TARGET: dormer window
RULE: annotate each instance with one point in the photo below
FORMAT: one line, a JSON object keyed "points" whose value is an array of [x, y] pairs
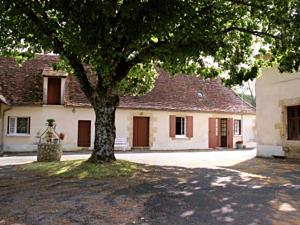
{"points": [[54, 91], [54, 86]]}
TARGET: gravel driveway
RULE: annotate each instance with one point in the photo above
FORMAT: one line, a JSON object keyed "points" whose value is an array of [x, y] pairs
{"points": [[255, 192]]}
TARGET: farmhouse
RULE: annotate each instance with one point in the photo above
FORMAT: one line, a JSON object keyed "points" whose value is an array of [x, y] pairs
{"points": [[181, 112], [278, 114]]}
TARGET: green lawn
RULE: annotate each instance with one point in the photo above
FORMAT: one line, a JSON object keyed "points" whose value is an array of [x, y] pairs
{"points": [[81, 169]]}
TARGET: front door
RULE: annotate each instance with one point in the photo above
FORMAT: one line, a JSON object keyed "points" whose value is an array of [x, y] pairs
{"points": [[140, 131], [84, 133], [223, 132]]}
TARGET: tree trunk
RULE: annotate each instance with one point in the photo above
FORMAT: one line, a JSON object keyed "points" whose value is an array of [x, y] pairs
{"points": [[105, 130]]}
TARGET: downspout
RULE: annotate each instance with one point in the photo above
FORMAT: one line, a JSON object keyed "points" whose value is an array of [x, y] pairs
{"points": [[242, 117], [3, 129]]}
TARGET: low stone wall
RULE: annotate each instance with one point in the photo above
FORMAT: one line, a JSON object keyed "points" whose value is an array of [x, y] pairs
{"points": [[49, 152]]}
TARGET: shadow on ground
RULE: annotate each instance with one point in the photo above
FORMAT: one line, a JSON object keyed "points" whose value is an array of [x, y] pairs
{"points": [[254, 192]]}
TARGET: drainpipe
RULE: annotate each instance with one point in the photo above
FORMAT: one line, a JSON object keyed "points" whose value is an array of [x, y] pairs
{"points": [[3, 129], [242, 117]]}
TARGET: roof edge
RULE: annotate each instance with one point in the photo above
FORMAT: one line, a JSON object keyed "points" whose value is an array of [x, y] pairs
{"points": [[3, 100]]}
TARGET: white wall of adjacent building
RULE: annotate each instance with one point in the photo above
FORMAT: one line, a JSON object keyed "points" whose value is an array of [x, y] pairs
{"points": [[67, 122], [275, 92]]}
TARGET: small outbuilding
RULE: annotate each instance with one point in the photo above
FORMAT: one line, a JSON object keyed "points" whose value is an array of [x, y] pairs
{"points": [[278, 114]]}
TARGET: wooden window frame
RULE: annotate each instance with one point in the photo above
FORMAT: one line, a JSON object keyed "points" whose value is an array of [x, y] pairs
{"points": [[293, 121]]}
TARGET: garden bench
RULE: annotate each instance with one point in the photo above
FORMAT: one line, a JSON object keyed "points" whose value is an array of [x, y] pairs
{"points": [[121, 143]]}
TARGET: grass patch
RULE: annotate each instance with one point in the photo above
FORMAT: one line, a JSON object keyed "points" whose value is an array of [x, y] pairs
{"points": [[81, 169]]}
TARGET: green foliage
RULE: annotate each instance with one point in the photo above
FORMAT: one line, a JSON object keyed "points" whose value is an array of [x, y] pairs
{"points": [[81, 169], [287, 49], [139, 80], [124, 40], [248, 98]]}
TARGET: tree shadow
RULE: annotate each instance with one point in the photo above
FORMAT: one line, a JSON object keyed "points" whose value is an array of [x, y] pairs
{"points": [[161, 195], [216, 196]]}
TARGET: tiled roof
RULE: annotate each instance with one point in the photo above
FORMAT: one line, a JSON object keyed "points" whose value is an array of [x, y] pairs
{"points": [[184, 92], [24, 86]]}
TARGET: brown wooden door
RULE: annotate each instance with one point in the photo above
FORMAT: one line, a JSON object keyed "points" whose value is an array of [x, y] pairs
{"points": [[140, 131], [223, 127], [213, 132], [54, 90], [84, 133]]}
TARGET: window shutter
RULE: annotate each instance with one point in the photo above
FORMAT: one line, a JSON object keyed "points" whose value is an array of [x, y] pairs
{"points": [[213, 132], [54, 91], [189, 126], [12, 125], [28, 125], [172, 126], [230, 133]]}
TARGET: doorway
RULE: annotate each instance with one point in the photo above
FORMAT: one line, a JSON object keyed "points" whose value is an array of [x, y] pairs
{"points": [[140, 131], [84, 133]]}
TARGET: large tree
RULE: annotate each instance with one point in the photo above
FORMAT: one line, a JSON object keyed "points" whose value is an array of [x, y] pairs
{"points": [[124, 40]]}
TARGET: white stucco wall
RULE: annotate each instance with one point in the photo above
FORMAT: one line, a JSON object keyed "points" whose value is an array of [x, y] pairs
{"points": [[159, 129], [275, 91], [3, 108], [67, 122]]}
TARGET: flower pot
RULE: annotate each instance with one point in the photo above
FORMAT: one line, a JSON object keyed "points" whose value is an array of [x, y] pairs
{"points": [[239, 145]]}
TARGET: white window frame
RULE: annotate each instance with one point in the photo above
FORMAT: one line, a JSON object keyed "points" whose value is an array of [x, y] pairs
{"points": [[183, 120], [14, 133], [239, 133]]}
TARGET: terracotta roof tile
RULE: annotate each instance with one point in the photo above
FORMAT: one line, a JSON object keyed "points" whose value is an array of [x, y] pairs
{"points": [[184, 92], [24, 86]]}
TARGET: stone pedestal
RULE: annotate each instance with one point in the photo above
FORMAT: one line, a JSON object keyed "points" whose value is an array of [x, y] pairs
{"points": [[49, 152]]}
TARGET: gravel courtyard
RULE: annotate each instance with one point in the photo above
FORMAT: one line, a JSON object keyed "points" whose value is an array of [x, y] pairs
{"points": [[254, 192]]}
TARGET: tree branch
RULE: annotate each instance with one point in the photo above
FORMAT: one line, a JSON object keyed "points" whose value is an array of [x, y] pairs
{"points": [[59, 47], [253, 32]]}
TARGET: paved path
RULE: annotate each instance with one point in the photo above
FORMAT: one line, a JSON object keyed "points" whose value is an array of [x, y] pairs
{"points": [[182, 159]]}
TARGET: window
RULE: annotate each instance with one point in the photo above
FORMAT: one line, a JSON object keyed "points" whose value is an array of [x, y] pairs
{"points": [[54, 91], [237, 127], [18, 125], [293, 116], [180, 126]]}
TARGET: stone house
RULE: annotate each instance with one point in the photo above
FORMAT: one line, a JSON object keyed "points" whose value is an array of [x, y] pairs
{"points": [[278, 114], [181, 112]]}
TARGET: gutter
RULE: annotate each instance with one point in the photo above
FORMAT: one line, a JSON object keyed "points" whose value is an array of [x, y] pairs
{"points": [[3, 129]]}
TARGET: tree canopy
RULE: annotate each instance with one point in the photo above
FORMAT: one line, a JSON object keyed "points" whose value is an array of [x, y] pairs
{"points": [[124, 41], [115, 36]]}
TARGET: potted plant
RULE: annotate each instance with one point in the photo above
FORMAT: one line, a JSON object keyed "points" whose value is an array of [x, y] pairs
{"points": [[50, 122], [61, 136], [239, 144]]}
